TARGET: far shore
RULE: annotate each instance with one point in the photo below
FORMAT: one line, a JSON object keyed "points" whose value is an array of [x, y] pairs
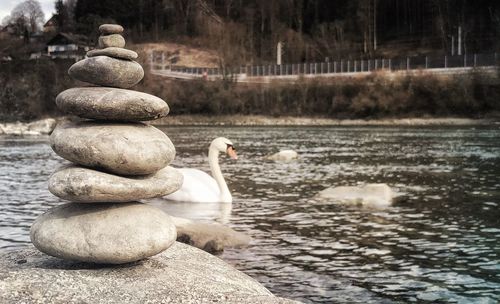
{"points": [[261, 120], [45, 126]]}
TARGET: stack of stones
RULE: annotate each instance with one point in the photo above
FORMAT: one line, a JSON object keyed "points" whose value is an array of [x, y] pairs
{"points": [[117, 160]]}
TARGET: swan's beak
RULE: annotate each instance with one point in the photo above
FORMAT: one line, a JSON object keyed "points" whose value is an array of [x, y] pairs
{"points": [[231, 152]]}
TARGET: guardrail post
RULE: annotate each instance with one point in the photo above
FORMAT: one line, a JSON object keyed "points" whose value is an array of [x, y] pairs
{"points": [[445, 61], [426, 62], [362, 65], [390, 64], [407, 63], [335, 66]]}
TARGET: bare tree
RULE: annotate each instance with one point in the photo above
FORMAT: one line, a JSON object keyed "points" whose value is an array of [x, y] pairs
{"points": [[31, 14]]}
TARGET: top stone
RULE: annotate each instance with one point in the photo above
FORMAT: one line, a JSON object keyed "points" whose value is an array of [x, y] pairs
{"points": [[107, 29]]}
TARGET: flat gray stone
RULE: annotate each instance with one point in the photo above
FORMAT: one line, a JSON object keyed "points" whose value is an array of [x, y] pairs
{"points": [[113, 40], [85, 185], [103, 233], [120, 148], [113, 52], [111, 104], [107, 29], [181, 274], [107, 71]]}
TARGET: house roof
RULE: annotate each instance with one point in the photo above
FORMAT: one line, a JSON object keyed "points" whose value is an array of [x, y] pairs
{"points": [[8, 28], [68, 38], [51, 22]]}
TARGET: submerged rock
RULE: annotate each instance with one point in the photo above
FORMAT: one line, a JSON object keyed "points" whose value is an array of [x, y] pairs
{"points": [[111, 104], [182, 274], [211, 237], [121, 148], [85, 185], [103, 233], [107, 71], [371, 195]]}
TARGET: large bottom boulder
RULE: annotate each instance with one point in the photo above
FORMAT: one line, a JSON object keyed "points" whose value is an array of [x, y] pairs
{"points": [[181, 274]]}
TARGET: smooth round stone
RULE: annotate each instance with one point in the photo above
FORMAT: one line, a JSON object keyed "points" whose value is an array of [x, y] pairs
{"points": [[111, 104], [107, 71], [121, 148], [103, 233], [107, 29], [113, 52], [113, 40], [79, 184]]}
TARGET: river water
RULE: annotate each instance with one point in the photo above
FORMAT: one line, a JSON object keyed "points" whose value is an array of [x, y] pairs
{"points": [[440, 242]]}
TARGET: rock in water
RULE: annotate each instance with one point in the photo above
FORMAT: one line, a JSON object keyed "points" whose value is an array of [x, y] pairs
{"points": [[283, 155], [111, 104], [107, 29], [103, 233], [370, 195], [113, 40], [107, 71], [121, 148], [114, 52], [85, 185]]}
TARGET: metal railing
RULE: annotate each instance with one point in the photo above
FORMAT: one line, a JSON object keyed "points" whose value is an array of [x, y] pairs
{"points": [[441, 63]]}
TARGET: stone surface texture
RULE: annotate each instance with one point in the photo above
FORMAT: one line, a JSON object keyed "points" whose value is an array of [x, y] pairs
{"points": [[107, 71], [182, 274], [107, 29], [113, 40], [111, 104], [103, 233], [79, 184], [121, 148], [113, 52]]}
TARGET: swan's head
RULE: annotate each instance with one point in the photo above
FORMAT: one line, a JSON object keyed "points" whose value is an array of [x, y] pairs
{"points": [[224, 145]]}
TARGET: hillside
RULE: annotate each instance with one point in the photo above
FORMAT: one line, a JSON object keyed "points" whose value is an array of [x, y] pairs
{"points": [[184, 54]]}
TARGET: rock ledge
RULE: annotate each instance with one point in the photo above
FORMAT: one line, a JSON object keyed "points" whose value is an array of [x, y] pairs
{"points": [[182, 274]]}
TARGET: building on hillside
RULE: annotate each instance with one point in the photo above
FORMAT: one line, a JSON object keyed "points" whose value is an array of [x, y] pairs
{"points": [[65, 45], [7, 31], [51, 25]]}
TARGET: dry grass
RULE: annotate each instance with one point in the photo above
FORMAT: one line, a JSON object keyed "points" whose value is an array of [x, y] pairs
{"points": [[188, 56]]}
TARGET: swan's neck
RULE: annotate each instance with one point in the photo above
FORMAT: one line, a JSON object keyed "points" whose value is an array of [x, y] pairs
{"points": [[213, 160]]}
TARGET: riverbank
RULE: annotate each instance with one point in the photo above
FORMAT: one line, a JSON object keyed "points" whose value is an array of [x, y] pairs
{"points": [[261, 120], [45, 126], [25, 96]]}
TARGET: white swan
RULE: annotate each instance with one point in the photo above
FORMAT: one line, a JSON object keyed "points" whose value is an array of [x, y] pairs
{"points": [[198, 186]]}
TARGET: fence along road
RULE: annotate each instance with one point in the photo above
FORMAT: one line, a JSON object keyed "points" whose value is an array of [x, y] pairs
{"points": [[344, 68]]}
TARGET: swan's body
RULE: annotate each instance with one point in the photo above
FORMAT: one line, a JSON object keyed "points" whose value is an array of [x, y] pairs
{"points": [[283, 155], [198, 186]]}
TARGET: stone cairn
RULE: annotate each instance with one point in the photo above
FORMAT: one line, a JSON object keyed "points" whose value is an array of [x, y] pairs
{"points": [[117, 160]]}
